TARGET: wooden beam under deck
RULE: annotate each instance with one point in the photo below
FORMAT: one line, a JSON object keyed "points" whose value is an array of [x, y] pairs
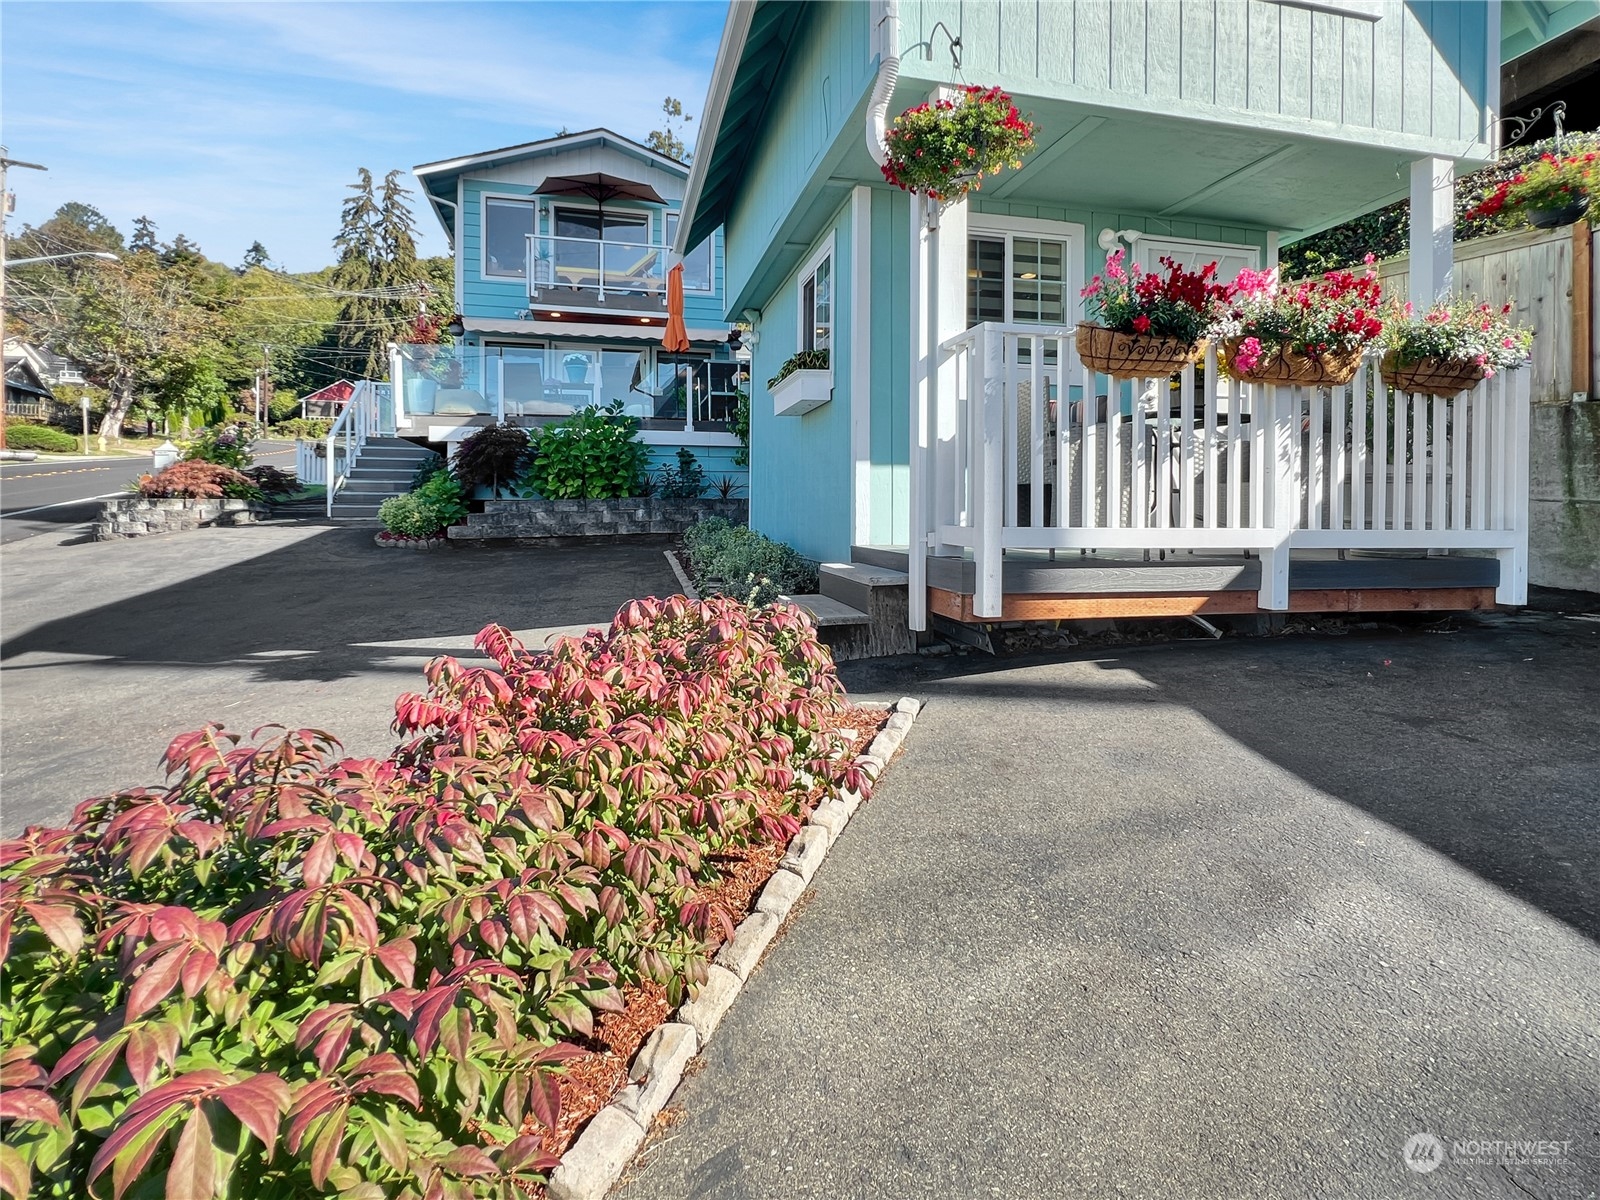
{"points": [[1078, 607]]}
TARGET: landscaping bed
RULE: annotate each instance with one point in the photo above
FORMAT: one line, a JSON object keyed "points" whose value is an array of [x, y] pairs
{"points": [[413, 975], [631, 516]]}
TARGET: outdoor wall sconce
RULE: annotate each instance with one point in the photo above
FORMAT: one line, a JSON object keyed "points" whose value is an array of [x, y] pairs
{"points": [[456, 328], [1110, 237]]}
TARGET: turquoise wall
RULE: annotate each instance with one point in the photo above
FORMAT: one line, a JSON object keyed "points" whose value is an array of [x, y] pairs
{"points": [[505, 298], [890, 490], [800, 488], [1381, 73]]}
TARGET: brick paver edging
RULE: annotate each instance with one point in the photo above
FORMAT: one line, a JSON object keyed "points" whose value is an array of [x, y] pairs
{"points": [[598, 1158]]}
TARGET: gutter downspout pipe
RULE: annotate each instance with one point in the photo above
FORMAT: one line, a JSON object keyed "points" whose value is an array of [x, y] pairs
{"points": [[888, 76]]}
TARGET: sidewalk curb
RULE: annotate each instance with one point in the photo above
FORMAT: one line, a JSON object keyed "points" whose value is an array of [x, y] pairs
{"points": [[593, 1164]]}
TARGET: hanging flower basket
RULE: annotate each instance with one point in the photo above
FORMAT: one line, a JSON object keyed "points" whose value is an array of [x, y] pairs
{"points": [[945, 148], [1432, 376], [1553, 217], [1284, 366], [1134, 355]]}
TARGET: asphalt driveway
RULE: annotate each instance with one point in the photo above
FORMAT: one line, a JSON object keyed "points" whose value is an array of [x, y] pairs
{"points": [[1212, 919], [111, 648]]}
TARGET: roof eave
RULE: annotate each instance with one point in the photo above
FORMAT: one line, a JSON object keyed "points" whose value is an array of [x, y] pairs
{"points": [[449, 166], [729, 53]]}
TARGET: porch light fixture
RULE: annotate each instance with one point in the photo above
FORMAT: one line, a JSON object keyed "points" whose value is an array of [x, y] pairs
{"points": [[1110, 237], [456, 328], [553, 313]]}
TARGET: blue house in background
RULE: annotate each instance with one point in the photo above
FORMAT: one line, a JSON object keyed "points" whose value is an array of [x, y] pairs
{"points": [[562, 249]]}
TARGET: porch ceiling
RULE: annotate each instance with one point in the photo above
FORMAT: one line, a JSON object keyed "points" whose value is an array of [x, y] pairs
{"points": [[1133, 163]]}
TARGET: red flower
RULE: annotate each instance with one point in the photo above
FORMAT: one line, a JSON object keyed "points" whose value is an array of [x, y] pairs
{"points": [[1141, 324]]}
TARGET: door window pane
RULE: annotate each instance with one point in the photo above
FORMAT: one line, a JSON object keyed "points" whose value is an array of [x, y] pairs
{"points": [[986, 283], [1038, 275], [507, 224]]}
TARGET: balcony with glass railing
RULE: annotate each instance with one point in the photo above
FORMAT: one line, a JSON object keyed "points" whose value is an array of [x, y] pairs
{"points": [[446, 386]]}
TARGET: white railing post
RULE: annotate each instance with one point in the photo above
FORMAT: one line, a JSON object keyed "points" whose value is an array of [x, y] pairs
{"points": [[1278, 498], [988, 594], [1512, 392]]}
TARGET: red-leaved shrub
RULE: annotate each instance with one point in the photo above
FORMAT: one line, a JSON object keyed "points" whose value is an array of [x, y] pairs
{"points": [[289, 974], [193, 479]]}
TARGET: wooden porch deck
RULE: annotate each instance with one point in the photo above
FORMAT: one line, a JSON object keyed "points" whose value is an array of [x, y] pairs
{"points": [[1076, 586]]}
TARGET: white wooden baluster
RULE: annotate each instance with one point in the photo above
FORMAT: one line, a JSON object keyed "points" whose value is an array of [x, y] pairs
{"points": [[1064, 348], [1317, 473], [1186, 457], [1339, 462], [1113, 474], [1164, 469], [1036, 410], [1208, 495], [1139, 471], [1478, 501], [1361, 461], [1260, 464], [1088, 456], [1458, 459], [1236, 431], [1419, 462], [1439, 460], [987, 589], [1009, 343], [1398, 398]]}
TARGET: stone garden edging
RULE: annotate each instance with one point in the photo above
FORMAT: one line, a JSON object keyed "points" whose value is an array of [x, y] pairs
{"points": [[138, 516], [594, 1163], [403, 543], [636, 516]]}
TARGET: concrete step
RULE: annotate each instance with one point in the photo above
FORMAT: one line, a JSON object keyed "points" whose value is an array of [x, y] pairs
{"points": [[400, 474], [892, 557], [828, 612], [854, 583]]}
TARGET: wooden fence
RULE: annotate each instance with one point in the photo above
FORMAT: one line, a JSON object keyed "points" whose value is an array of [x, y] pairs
{"points": [[1548, 275]]}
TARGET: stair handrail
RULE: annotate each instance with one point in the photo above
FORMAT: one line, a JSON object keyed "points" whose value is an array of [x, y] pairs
{"points": [[353, 425]]}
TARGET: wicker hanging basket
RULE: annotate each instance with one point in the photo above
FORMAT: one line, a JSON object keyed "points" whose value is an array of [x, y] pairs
{"points": [[1134, 355], [1431, 376], [1288, 367]]}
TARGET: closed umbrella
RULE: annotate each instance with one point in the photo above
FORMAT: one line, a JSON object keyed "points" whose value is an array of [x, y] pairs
{"points": [[675, 338]]}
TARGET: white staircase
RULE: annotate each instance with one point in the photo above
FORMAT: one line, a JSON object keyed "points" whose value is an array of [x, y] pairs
{"points": [[384, 467]]}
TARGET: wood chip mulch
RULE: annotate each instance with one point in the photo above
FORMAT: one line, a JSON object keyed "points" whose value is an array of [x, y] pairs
{"points": [[591, 1080]]}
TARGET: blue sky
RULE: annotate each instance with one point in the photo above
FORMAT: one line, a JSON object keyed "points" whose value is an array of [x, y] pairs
{"points": [[232, 122]]}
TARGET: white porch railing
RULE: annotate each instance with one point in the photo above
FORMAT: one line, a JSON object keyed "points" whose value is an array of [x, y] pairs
{"points": [[310, 468], [1147, 464], [368, 412]]}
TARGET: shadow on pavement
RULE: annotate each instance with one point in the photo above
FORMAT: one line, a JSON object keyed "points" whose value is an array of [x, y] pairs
{"points": [[332, 605], [1478, 743]]}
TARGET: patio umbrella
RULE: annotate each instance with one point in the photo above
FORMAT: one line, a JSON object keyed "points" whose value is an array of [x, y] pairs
{"points": [[599, 187], [675, 339]]}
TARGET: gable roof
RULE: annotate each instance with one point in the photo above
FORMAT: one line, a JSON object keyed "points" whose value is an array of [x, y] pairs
{"points": [[554, 145], [755, 40]]}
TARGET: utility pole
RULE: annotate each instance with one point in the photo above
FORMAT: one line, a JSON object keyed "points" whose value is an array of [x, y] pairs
{"points": [[6, 162]]}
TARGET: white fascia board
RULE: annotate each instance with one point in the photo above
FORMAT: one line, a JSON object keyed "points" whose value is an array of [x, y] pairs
{"points": [[729, 53]]}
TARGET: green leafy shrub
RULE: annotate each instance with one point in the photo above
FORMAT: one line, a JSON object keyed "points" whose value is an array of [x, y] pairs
{"points": [[287, 973], [225, 445], [594, 454], [40, 437], [740, 428], [194, 479], [434, 506], [426, 470], [803, 360], [686, 481], [493, 457], [734, 560], [305, 429]]}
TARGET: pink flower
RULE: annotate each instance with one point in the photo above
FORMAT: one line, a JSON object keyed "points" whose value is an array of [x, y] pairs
{"points": [[1114, 265], [1249, 355]]}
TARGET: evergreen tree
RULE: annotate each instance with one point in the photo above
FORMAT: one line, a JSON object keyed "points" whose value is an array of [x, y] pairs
{"points": [[144, 236], [180, 251], [377, 270], [256, 256]]}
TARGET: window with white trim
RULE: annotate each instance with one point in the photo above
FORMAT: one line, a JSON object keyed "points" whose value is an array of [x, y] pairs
{"points": [[816, 303], [506, 226]]}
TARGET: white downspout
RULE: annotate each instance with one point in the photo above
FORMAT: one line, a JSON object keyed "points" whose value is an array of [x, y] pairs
{"points": [[888, 76]]}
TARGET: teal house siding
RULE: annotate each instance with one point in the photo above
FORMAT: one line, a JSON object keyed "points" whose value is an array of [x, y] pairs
{"points": [[1392, 71], [800, 486], [889, 470]]}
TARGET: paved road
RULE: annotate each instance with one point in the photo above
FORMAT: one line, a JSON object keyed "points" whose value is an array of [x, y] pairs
{"points": [[1216, 919], [111, 648], [56, 496]]}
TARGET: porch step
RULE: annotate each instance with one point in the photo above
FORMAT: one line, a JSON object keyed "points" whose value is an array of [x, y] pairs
{"points": [[828, 612], [853, 583], [893, 558]]}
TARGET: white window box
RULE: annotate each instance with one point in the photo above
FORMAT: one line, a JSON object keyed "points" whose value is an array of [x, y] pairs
{"points": [[801, 391]]}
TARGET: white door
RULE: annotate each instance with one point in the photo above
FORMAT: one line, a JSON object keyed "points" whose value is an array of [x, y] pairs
{"points": [[1230, 257]]}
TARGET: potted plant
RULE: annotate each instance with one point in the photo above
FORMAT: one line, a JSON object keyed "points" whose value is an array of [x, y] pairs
{"points": [[1453, 346], [943, 149], [1312, 331], [1149, 323], [803, 382], [1555, 191]]}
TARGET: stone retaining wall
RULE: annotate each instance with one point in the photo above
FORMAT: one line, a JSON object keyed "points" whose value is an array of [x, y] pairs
{"points": [[540, 520], [136, 516]]}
